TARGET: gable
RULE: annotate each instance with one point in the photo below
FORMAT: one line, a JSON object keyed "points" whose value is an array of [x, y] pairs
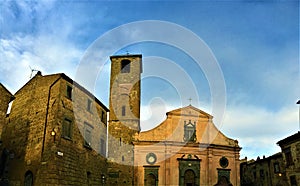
{"points": [[176, 126], [190, 111]]}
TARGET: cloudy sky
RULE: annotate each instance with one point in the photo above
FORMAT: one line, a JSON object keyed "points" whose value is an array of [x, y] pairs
{"points": [[255, 45]]}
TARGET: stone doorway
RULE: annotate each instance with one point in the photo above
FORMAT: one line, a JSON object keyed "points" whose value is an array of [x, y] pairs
{"points": [[150, 180], [151, 175], [189, 178], [189, 170]]}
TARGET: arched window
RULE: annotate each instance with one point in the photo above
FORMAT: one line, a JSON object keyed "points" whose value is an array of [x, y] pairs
{"points": [[189, 178], [123, 110], [125, 66], [88, 176], [28, 181]]}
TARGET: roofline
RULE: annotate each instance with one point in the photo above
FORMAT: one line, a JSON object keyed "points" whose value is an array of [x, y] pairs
{"points": [[252, 161], [289, 139], [126, 55], [6, 89], [67, 78], [38, 74], [191, 106]]}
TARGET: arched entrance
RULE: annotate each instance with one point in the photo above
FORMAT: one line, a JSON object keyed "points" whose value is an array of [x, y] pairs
{"points": [[189, 178], [189, 171], [28, 181], [150, 180], [223, 181]]}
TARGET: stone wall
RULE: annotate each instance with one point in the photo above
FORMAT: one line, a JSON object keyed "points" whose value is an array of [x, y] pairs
{"points": [[34, 138], [290, 147], [264, 172], [5, 98]]}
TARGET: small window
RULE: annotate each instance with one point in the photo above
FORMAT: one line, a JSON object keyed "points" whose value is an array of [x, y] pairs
{"points": [[9, 108], [67, 128], [293, 180], [288, 156], [123, 110], [261, 173], [89, 176], [125, 66], [103, 116], [28, 181], [276, 168], [89, 105], [87, 135], [123, 159], [69, 92], [254, 175], [102, 147]]}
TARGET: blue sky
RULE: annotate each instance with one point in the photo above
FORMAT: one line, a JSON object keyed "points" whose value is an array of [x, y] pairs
{"points": [[256, 45]]}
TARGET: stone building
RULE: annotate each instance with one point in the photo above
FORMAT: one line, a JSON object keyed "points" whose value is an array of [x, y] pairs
{"points": [[5, 98], [42, 138], [280, 169], [186, 149], [56, 134], [266, 171], [290, 148]]}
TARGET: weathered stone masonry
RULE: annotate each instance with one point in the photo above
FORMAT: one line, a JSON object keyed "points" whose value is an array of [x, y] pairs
{"points": [[33, 134]]}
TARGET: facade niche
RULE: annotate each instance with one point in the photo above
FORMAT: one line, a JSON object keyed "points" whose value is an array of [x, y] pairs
{"points": [[189, 132]]}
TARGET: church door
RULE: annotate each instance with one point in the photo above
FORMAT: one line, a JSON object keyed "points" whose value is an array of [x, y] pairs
{"points": [[150, 180], [189, 178]]}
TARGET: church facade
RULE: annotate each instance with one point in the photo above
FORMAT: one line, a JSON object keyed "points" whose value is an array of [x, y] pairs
{"points": [[186, 149]]}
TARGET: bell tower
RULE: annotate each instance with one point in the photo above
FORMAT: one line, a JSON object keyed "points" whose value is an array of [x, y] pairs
{"points": [[124, 116]]}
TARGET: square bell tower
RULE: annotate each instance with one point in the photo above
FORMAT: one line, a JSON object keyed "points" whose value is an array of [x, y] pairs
{"points": [[124, 117]]}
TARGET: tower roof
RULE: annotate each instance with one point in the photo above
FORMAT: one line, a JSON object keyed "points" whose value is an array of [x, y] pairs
{"points": [[126, 55]]}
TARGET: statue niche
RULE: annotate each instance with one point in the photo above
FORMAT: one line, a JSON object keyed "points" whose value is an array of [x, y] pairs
{"points": [[189, 132]]}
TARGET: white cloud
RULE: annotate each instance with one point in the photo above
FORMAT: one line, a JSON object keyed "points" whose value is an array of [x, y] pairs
{"points": [[45, 53], [154, 112], [258, 129]]}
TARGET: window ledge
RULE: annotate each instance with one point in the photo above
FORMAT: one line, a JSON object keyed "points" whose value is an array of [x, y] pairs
{"points": [[68, 98], [87, 146], [67, 138]]}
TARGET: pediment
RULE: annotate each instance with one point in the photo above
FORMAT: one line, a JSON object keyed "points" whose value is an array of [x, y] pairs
{"points": [[179, 128], [189, 111]]}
